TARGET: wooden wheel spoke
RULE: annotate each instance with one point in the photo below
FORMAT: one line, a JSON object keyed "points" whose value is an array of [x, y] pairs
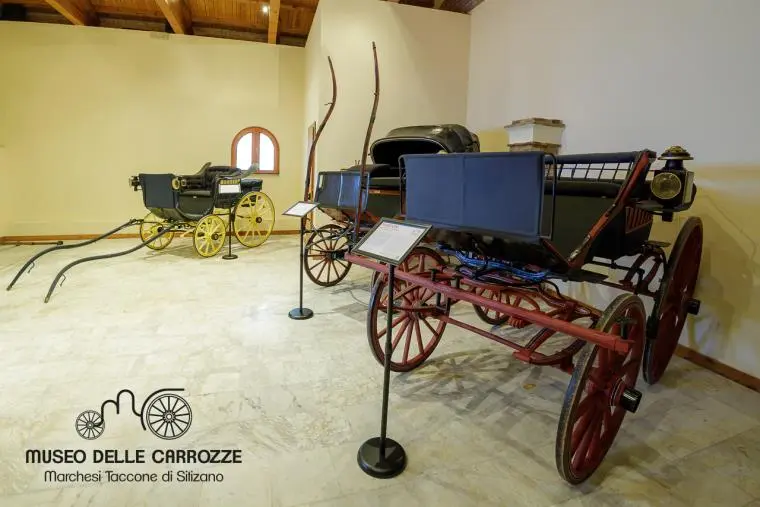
{"points": [[394, 323], [424, 320], [408, 342], [419, 336], [399, 334], [319, 275], [581, 452]]}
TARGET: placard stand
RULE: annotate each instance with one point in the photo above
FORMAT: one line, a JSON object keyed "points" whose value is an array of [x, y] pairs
{"points": [[389, 241], [229, 255], [301, 209]]}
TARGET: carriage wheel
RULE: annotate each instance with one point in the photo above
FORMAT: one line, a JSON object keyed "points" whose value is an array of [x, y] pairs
{"points": [[674, 300], [89, 425], [209, 235], [152, 225], [323, 259], [416, 325], [254, 219], [168, 416], [601, 391], [497, 318]]}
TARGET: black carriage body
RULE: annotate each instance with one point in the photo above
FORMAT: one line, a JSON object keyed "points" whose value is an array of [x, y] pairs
{"points": [[190, 197], [511, 206], [338, 191]]}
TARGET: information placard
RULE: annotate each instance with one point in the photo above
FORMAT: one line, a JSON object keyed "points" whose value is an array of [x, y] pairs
{"points": [[300, 209], [229, 188], [391, 240]]}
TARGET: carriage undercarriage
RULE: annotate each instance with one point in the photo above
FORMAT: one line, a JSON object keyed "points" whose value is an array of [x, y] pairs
{"points": [[603, 350]]}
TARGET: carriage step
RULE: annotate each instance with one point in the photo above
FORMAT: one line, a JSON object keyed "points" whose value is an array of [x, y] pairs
{"points": [[661, 244]]}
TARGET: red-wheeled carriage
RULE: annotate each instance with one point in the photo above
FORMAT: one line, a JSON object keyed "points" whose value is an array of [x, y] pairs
{"points": [[506, 227]]}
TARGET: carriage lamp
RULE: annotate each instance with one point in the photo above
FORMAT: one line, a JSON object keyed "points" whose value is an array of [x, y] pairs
{"points": [[672, 185], [134, 182]]}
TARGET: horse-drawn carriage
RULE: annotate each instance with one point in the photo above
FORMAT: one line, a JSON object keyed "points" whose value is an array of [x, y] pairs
{"points": [[382, 195], [199, 204], [506, 228]]}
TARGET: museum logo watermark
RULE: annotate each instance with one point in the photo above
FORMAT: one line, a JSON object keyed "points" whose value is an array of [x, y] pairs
{"points": [[166, 415]]}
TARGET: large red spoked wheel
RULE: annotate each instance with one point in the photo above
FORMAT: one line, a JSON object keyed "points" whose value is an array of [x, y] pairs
{"points": [[416, 327], [674, 300], [323, 259], [495, 318], [601, 391]]}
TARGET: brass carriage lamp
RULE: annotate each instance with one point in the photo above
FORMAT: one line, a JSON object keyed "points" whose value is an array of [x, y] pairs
{"points": [[673, 185]]}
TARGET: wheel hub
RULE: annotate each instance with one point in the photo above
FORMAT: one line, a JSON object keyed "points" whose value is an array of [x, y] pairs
{"points": [[693, 306], [259, 220], [169, 417]]}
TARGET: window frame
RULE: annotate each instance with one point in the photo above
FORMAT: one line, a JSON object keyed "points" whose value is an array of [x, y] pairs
{"points": [[255, 146]]}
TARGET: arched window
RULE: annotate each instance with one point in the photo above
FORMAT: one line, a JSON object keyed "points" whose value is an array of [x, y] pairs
{"points": [[256, 145]]}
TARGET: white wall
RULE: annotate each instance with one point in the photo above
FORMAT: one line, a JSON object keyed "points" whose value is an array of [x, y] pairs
{"points": [[84, 108], [647, 74], [422, 57]]}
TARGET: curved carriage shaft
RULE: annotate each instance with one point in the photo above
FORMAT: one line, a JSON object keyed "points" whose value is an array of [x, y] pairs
{"points": [[444, 288], [102, 256], [30, 263]]}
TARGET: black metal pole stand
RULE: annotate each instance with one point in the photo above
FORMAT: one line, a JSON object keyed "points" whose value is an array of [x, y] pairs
{"points": [[382, 457], [229, 255], [301, 313]]}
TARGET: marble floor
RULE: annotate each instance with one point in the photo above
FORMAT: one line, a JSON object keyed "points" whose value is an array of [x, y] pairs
{"points": [[297, 398]]}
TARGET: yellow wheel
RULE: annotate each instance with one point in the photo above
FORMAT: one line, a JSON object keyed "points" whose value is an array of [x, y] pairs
{"points": [[209, 235], [151, 226], [254, 219]]}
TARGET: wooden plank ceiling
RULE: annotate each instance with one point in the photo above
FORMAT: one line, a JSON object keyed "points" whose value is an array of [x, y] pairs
{"points": [[274, 21]]}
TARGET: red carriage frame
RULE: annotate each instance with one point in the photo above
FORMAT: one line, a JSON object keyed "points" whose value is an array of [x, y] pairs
{"points": [[603, 359]]}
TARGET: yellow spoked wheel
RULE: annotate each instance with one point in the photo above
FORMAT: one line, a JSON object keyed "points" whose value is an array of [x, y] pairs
{"points": [[209, 235], [151, 226], [254, 219]]}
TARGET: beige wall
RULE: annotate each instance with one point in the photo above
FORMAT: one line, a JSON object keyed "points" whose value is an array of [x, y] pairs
{"points": [[5, 192], [84, 108], [422, 57], [648, 74]]}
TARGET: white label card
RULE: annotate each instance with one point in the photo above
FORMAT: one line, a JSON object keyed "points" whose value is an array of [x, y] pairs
{"points": [[300, 209], [229, 189], [391, 241]]}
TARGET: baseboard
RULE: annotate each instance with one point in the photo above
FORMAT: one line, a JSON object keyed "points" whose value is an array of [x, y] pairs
{"points": [[721, 369], [77, 237]]}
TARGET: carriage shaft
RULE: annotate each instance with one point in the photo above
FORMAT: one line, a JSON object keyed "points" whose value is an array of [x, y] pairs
{"points": [[525, 354], [606, 340]]}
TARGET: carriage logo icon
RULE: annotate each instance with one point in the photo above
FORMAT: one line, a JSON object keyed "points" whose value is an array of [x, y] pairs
{"points": [[165, 414]]}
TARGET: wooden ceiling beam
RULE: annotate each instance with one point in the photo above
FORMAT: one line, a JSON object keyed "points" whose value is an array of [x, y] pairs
{"points": [[79, 12], [177, 13], [274, 20]]}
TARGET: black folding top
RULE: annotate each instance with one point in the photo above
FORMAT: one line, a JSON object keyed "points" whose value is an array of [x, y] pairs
{"points": [[448, 138]]}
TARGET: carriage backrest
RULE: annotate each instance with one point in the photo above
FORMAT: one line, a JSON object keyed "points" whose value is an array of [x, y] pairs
{"points": [[495, 194], [339, 190], [157, 190]]}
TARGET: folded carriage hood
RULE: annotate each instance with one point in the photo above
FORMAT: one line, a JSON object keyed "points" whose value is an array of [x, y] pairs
{"points": [[422, 139]]}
